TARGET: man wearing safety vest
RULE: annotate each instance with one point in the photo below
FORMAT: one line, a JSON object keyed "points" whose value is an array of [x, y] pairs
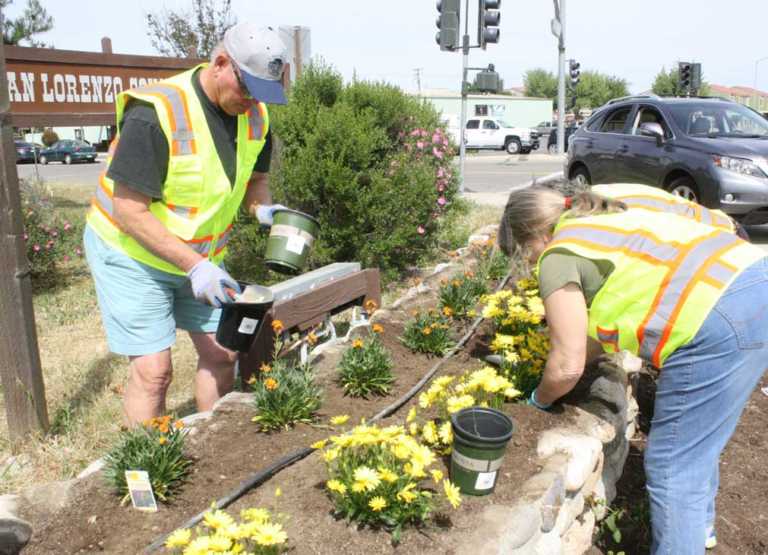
{"points": [[688, 297], [190, 152]]}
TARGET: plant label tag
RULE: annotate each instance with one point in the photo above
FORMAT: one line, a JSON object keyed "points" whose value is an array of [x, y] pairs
{"points": [[140, 489], [248, 326], [295, 244], [485, 480]]}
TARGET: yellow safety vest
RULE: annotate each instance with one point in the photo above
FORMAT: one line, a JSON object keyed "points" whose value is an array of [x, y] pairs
{"points": [[658, 200], [199, 203], [668, 274]]}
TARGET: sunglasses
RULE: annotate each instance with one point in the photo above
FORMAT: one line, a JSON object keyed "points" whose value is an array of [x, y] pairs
{"points": [[243, 89]]}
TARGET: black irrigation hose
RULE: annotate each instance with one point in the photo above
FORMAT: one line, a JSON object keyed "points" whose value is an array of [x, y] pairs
{"points": [[266, 473]]}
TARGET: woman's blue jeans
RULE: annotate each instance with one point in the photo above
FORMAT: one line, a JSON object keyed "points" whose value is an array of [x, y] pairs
{"points": [[701, 392]]}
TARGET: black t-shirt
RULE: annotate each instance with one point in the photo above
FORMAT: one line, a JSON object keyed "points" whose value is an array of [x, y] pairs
{"points": [[141, 158]]}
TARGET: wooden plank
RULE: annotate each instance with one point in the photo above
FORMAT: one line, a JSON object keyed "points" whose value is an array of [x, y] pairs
{"points": [[20, 369], [309, 309], [78, 57]]}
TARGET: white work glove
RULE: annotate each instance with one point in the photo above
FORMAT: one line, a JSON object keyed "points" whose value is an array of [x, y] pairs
{"points": [[265, 213], [209, 282]]}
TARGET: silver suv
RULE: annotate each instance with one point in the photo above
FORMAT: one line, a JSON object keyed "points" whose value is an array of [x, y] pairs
{"points": [[712, 151]]}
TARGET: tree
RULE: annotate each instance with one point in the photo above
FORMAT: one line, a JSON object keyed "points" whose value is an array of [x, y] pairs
{"points": [[32, 21], [191, 33], [540, 83], [667, 84], [595, 89]]}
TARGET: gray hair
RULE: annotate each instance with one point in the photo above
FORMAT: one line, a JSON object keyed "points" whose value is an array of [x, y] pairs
{"points": [[218, 50]]}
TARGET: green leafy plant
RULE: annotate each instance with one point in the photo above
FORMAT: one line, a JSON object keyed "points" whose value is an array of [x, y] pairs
{"points": [[459, 295], [366, 368], [156, 447], [256, 532], [493, 264], [428, 332], [376, 477]]}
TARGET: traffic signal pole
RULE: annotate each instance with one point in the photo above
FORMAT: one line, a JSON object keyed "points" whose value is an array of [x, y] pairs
{"points": [[561, 81], [464, 87]]}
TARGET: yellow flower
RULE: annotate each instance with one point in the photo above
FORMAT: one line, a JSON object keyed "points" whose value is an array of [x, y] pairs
{"points": [[437, 475], [447, 311], [405, 494], [335, 485], [217, 519], [378, 328], [311, 338], [370, 306], [446, 433], [387, 475], [472, 313], [278, 492], [455, 404], [377, 503], [252, 379], [411, 415], [265, 368], [270, 534], [178, 538], [452, 494], [339, 420], [413, 428], [368, 478], [357, 344], [255, 515], [427, 330], [319, 444], [330, 455], [277, 326], [163, 440], [429, 432], [271, 384]]}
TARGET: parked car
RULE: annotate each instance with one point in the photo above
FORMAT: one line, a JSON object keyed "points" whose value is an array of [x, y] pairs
{"points": [[68, 151], [496, 134], [552, 139], [26, 152], [712, 151], [546, 127]]}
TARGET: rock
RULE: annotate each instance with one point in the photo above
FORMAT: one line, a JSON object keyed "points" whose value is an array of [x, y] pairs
{"points": [[549, 544], [50, 497], [582, 450], [14, 535], [495, 360], [578, 539], [233, 398], [381, 315], [193, 419], [490, 229], [628, 362], [477, 238], [92, 468], [547, 491], [594, 426], [443, 266], [502, 529], [571, 509]]}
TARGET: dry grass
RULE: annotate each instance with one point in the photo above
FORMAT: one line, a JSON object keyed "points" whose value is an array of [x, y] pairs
{"points": [[84, 381]]}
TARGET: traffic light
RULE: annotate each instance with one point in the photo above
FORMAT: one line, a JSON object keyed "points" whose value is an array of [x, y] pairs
{"points": [[695, 78], [575, 73], [684, 71], [488, 80], [448, 22], [488, 19]]}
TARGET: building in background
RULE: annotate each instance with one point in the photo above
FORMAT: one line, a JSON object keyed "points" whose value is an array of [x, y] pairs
{"points": [[754, 98]]}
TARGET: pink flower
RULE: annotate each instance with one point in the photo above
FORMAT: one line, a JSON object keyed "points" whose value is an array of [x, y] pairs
{"points": [[441, 201], [67, 226], [54, 233], [415, 133], [65, 258], [420, 145], [26, 237], [445, 141], [441, 187], [420, 230], [36, 248], [424, 133], [436, 138], [440, 172], [78, 251], [438, 153]]}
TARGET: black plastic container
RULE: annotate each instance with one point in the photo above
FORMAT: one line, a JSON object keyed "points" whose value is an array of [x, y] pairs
{"points": [[240, 322]]}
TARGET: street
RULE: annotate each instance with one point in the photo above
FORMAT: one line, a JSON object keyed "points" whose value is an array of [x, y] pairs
{"points": [[56, 172]]}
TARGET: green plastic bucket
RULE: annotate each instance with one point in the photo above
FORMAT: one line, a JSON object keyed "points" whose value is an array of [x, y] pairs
{"points": [[480, 437], [290, 240]]}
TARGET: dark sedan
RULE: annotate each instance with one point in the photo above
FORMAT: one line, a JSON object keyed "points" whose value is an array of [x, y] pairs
{"points": [[68, 151], [26, 152]]}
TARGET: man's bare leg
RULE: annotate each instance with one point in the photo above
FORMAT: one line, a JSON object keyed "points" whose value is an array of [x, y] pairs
{"points": [[215, 370], [147, 385]]}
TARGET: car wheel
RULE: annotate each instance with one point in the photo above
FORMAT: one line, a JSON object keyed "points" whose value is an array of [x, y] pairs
{"points": [[552, 149], [580, 176], [67, 159], [525, 151], [43, 159], [512, 146], [686, 188]]}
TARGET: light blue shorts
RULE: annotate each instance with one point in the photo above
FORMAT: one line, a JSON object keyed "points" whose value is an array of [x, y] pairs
{"points": [[141, 307]]}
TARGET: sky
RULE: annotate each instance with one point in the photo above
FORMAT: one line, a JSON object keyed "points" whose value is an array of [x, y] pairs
{"points": [[390, 40]]}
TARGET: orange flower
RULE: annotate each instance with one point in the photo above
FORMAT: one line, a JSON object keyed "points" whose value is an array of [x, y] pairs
{"points": [[163, 440], [357, 344], [469, 274], [178, 424], [447, 311], [265, 368], [312, 338], [378, 328], [277, 326], [443, 281], [455, 283], [252, 379], [271, 384], [164, 428], [370, 306], [427, 330]]}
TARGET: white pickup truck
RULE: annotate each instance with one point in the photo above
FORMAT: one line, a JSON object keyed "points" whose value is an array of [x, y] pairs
{"points": [[494, 133]]}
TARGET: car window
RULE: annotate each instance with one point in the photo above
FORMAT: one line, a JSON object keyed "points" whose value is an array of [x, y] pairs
{"points": [[473, 124], [488, 124], [719, 120], [616, 120], [649, 114]]}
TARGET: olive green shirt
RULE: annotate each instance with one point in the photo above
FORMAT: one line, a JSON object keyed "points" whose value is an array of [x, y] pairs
{"points": [[560, 268]]}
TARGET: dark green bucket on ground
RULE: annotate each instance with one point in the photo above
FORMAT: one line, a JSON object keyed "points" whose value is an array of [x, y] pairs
{"points": [[290, 240], [480, 437]]}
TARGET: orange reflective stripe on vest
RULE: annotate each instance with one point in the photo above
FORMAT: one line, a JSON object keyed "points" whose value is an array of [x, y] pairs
{"points": [[183, 139], [256, 121]]}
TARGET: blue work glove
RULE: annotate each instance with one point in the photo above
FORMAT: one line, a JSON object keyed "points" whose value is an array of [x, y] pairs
{"points": [[209, 282], [535, 402], [265, 213]]}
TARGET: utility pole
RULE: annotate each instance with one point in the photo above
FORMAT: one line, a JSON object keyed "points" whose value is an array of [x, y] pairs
{"points": [[558, 29], [464, 87], [417, 71]]}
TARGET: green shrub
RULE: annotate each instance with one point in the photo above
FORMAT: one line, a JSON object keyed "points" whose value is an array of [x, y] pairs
{"points": [[285, 395], [428, 333], [366, 368], [459, 295], [370, 163], [156, 447], [493, 264]]}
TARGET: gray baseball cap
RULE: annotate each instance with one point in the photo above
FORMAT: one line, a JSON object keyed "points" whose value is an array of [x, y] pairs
{"points": [[260, 55]]}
